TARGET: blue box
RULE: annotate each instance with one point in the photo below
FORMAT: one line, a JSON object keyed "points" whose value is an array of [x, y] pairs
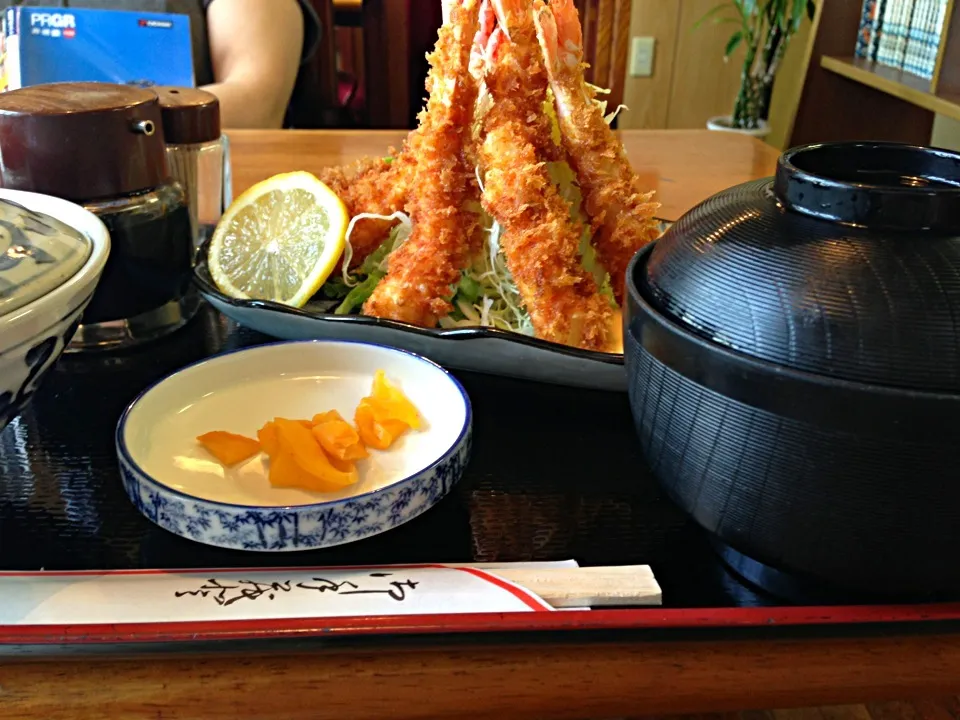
{"points": [[44, 45]]}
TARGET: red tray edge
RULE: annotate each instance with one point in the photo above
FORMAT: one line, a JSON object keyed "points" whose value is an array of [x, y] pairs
{"points": [[564, 620]]}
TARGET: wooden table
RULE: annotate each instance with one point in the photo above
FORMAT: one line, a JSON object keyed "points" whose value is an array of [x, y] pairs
{"points": [[519, 678], [683, 166], [528, 676]]}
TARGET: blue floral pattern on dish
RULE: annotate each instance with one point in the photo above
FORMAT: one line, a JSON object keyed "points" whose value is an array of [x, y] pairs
{"points": [[21, 371], [301, 527], [36, 253]]}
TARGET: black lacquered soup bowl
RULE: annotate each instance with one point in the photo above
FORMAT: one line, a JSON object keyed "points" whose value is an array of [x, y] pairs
{"points": [[793, 367]]}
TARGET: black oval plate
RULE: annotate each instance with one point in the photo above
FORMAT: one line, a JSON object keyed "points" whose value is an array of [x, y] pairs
{"points": [[487, 350]]}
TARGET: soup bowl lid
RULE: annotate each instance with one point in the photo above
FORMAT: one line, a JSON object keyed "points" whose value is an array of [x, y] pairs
{"points": [[845, 264]]}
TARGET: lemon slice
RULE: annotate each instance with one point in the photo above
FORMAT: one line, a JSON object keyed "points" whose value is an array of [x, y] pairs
{"points": [[279, 240]]}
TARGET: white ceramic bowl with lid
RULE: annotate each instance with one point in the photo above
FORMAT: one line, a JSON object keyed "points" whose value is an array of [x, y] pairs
{"points": [[52, 254]]}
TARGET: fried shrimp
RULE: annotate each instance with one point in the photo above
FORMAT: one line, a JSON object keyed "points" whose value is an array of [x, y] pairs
{"points": [[511, 168], [516, 21], [375, 186], [619, 210], [423, 272], [540, 240]]}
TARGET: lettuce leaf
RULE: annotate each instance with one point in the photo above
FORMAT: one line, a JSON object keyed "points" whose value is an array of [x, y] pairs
{"points": [[359, 285], [359, 293]]}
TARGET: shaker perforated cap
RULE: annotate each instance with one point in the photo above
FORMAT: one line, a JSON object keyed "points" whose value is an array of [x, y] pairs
{"points": [[190, 115]]}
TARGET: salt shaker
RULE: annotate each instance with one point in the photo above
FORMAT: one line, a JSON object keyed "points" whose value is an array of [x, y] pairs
{"points": [[99, 145], [191, 131]]}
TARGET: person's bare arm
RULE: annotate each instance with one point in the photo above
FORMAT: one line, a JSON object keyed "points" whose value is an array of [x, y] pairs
{"points": [[255, 48]]}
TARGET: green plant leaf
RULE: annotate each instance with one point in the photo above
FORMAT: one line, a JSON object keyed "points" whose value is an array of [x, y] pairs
{"points": [[774, 13], [741, 11], [726, 21], [732, 43], [796, 17], [712, 13]]}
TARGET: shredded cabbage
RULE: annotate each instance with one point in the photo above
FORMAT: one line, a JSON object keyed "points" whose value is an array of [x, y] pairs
{"points": [[405, 227], [486, 294], [355, 288]]}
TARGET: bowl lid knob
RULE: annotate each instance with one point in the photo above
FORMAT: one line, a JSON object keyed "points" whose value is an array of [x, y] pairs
{"points": [[883, 186]]}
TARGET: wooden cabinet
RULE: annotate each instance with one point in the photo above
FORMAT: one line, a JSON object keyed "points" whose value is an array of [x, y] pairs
{"points": [[848, 98]]}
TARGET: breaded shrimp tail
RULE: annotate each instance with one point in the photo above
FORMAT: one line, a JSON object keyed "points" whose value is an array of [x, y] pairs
{"points": [[540, 240], [376, 186], [619, 208], [423, 272]]}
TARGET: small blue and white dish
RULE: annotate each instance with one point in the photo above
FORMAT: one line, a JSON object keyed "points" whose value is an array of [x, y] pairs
{"points": [[178, 485], [52, 255]]}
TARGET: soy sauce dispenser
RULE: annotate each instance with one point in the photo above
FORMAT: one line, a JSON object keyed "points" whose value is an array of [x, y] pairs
{"points": [[100, 145]]}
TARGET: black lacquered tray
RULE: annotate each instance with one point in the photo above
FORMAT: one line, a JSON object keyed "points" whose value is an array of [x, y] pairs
{"points": [[556, 474]]}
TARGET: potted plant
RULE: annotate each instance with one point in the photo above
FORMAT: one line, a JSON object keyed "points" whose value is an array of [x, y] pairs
{"points": [[764, 28]]}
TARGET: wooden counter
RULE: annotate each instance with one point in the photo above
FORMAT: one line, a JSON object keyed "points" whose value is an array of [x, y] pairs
{"points": [[683, 166]]}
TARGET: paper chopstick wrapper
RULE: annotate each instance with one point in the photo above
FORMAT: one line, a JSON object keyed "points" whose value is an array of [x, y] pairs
{"points": [[153, 596]]}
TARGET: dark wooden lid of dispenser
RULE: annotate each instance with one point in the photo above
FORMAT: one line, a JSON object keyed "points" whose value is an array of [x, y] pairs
{"points": [[190, 116], [81, 141]]}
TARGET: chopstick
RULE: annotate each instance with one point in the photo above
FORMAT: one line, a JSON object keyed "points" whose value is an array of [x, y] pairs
{"points": [[618, 586]]}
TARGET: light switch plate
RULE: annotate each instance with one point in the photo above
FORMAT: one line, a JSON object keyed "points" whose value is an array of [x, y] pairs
{"points": [[641, 57]]}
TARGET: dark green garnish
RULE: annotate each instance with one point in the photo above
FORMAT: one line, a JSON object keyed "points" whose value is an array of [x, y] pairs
{"points": [[358, 295], [335, 288]]}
